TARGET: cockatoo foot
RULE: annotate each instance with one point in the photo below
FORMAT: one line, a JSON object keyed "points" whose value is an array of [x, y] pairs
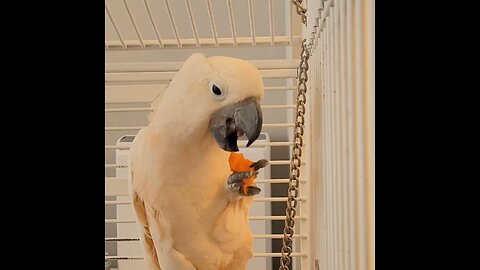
{"points": [[235, 182], [259, 164]]}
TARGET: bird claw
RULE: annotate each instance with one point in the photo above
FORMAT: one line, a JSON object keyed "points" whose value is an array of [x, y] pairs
{"points": [[236, 178], [253, 190], [235, 183], [259, 164]]}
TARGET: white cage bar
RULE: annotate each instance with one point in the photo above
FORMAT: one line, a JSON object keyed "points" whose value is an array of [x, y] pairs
{"points": [[342, 92], [180, 39]]}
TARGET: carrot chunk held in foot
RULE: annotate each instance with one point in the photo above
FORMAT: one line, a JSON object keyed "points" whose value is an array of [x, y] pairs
{"points": [[238, 163]]}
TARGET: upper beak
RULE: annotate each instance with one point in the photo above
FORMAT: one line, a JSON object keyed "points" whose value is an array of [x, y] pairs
{"points": [[232, 121]]}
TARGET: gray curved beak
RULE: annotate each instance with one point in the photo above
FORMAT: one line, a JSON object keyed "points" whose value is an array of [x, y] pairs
{"points": [[235, 120]]}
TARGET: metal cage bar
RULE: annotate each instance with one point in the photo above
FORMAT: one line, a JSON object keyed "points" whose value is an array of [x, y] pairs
{"points": [[271, 22], [172, 23], [115, 26], [192, 22], [212, 22], [232, 22], [134, 24], [215, 40], [251, 18], [152, 22], [342, 72]]}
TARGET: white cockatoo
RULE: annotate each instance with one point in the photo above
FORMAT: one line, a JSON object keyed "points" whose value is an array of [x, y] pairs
{"points": [[189, 207]]}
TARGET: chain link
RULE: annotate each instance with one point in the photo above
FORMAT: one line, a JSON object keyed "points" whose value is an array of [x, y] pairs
{"points": [[296, 159], [301, 10]]}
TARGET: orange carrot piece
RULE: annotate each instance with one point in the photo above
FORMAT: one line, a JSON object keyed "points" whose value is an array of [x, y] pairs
{"points": [[238, 163]]}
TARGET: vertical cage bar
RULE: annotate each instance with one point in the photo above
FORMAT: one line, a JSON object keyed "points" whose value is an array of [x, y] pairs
{"points": [[323, 143], [345, 134], [251, 17], [270, 16], [192, 22], [328, 68], [291, 22], [107, 8], [350, 127], [327, 147], [154, 25], [359, 150], [368, 115], [212, 22], [371, 131], [172, 23], [132, 20], [324, 147], [339, 122], [232, 22], [331, 43]]}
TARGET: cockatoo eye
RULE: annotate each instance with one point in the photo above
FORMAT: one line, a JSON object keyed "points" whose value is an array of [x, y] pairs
{"points": [[218, 91]]}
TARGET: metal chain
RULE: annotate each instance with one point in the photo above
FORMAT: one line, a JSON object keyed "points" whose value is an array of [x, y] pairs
{"points": [[295, 161], [301, 10]]}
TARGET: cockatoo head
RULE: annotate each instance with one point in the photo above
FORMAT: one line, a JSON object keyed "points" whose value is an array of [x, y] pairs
{"points": [[217, 97]]}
